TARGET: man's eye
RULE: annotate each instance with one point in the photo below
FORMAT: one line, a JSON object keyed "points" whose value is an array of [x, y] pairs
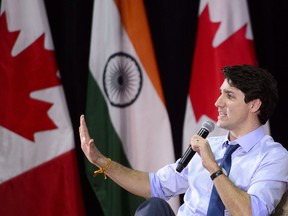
{"points": [[229, 96]]}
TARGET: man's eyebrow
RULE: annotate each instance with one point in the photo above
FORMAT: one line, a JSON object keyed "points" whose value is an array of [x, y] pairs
{"points": [[226, 91]]}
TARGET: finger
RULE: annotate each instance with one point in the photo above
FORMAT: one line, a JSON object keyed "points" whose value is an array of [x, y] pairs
{"points": [[83, 125], [80, 126], [83, 130], [91, 142], [195, 144], [194, 140], [82, 121]]}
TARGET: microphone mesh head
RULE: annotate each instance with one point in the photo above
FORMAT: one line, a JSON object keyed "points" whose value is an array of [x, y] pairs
{"points": [[208, 125]]}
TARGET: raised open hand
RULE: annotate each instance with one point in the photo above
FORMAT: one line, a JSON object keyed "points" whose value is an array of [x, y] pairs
{"points": [[87, 144]]}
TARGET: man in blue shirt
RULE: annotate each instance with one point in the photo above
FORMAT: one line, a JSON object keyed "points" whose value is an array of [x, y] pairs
{"points": [[258, 175]]}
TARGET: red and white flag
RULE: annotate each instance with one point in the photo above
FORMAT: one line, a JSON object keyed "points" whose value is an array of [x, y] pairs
{"points": [[224, 37], [38, 169]]}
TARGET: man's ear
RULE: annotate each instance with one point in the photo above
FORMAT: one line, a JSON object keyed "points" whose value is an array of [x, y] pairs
{"points": [[255, 105]]}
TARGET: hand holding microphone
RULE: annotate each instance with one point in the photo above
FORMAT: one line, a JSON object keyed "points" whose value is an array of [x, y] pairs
{"points": [[207, 127]]}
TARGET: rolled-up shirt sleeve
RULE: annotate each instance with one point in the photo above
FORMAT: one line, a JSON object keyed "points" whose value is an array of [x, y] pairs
{"points": [[268, 182], [258, 208], [167, 182]]}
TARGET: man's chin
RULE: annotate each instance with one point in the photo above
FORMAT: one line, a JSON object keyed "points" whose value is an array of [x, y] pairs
{"points": [[220, 123]]}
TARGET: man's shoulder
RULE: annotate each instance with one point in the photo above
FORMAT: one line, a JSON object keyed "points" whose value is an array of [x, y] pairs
{"points": [[270, 144]]}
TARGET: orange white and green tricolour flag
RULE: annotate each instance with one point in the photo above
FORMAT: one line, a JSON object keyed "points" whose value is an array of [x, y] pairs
{"points": [[38, 169], [126, 112]]}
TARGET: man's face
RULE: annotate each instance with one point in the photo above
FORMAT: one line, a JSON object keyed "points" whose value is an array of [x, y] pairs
{"points": [[233, 111]]}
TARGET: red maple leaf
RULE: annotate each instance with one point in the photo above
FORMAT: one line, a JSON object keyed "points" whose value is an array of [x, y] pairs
{"points": [[31, 70], [208, 61]]}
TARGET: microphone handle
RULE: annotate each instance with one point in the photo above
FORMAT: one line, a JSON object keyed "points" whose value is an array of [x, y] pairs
{"points": [[203, 132], [185, 159]]}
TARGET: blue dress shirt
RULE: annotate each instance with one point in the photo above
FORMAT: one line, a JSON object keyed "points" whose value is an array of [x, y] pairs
{"points": [[259, 167]]}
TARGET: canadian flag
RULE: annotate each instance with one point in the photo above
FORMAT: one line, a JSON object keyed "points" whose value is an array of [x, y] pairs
{"points": [[38, 169], [224, 37]]}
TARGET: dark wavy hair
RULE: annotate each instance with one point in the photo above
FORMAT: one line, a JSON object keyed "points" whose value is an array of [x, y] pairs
{"points": [[255, 83]]}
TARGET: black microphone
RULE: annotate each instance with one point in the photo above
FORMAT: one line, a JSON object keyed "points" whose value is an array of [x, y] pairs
{"points": [[207, 127]]}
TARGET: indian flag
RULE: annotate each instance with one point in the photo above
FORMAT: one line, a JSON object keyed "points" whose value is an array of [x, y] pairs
{"points": [[126, 113], [38, 168]]}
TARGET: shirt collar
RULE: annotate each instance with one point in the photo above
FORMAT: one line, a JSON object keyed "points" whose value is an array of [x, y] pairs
{"points": [[248, 140]]}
